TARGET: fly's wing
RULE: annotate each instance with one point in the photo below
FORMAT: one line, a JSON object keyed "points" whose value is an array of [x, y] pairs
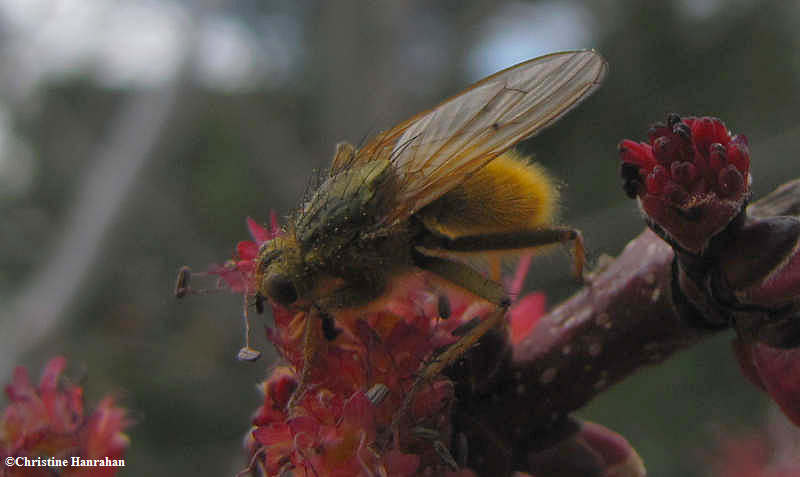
{"points": [[436, 150]]}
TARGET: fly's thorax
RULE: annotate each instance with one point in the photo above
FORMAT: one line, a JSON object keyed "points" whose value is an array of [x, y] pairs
{"points": [[345, 205], [335, 240]]}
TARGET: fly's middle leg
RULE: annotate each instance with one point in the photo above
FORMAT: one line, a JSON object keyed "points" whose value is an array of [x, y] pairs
{"points": [[467, 278]]}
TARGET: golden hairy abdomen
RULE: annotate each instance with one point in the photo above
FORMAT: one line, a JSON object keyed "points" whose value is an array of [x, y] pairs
{"points": [[508, 194]]}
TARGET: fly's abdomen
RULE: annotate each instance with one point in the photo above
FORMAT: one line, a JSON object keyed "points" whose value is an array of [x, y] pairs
{"points": [[506, 195]]}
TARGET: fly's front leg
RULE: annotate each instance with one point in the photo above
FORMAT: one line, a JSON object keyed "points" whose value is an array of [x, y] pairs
{"points": [[312, 336], [320, 325]]}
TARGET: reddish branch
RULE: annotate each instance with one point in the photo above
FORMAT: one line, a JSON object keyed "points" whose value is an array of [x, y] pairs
{"points": [[627, 318]]}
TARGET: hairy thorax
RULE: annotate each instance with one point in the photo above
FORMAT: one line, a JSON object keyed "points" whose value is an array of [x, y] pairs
{"points": [[336, 250]]}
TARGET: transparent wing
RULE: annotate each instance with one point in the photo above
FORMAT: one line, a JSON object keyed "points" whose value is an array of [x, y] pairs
{"points": [[436, 150]]}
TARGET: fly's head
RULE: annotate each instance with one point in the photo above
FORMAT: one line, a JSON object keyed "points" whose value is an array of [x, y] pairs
{"points": [[282, 274]]}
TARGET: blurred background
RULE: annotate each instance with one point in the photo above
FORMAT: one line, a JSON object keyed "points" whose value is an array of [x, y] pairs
{"points": [[136, 136]]}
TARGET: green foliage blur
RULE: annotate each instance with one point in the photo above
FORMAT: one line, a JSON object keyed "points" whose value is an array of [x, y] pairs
{"points": [[325, 72]]}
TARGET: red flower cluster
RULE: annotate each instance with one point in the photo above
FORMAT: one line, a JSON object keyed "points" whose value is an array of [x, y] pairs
{"points": [[691, 177], [358, 383], [49, 421], [349, 421], [239, 273]]}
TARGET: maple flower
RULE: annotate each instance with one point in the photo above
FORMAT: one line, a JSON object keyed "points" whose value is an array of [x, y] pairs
{"points": [[49, 421], [692, 180], [692, 177], [525, 311], [238, 273], [358, 384]]}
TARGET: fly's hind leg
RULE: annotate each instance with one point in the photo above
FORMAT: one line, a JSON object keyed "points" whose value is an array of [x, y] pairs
{"points": [[472, 281], [516, 240]]}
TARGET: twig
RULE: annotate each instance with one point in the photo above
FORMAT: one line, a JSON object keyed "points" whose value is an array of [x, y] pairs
{"points": [[626, 319]]}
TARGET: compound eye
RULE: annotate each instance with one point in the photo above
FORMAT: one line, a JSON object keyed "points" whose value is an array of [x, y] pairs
{"points": [[281, 289]]}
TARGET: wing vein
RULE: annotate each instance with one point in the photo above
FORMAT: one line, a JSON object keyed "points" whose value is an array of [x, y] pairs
{"points": [[436, 150]]}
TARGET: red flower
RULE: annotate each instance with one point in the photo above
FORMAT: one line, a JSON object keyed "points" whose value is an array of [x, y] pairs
{"points": [[49, 421], [691, 177], [238, 273], [525, 314]]}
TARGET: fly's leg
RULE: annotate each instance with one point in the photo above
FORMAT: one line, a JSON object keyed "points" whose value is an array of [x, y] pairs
{"points": [[495, 268], [472, 281], [312, 332], [517, 240], [490, 290], [320, 325], [457, 349]]}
